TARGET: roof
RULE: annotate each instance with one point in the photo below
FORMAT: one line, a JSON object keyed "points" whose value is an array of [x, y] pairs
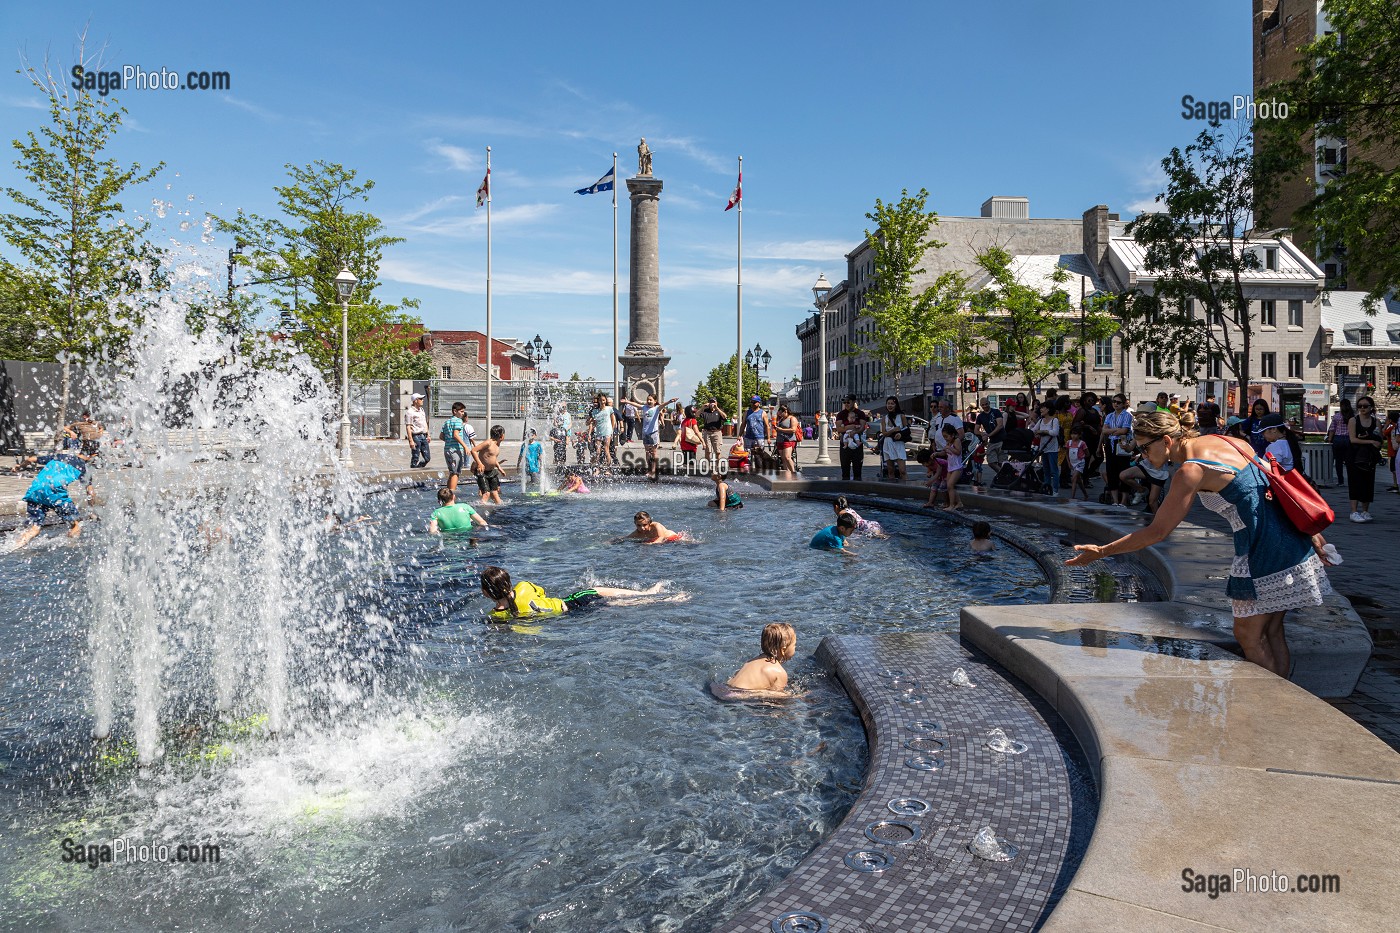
{"points": [[1343, 315], [1037, 271], [1294, 266]]}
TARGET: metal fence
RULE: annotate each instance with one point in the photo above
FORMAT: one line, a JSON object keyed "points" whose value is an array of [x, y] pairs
{"points": [[370, 405]]}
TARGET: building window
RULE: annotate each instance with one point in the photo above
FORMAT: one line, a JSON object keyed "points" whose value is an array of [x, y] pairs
{"points": [[1267, 365], [1295, 366], [1057, 346], [1217, 366], [1271, 258], [1331, 270], [1154, 365], [447, 372], [1368, 376], [1190, 309], [1341, 374], [1295, 313], [1103, 353], [1393, 377], [1363, 336], [1238, 359], [1267, 317]]}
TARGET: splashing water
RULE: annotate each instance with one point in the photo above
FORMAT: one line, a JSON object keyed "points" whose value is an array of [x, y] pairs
{"points": [[211, 541]]}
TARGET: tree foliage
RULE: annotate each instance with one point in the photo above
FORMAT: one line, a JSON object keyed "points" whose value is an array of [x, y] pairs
{"points": [[87, 265], [1198, 249], [20, 336], [323, 229], [719, 384], [909, 328], [1023, 328], [1347, 87], [397, 363]]}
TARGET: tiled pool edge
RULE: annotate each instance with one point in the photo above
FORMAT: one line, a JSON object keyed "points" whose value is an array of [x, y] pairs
{"points": [[936, 884]]}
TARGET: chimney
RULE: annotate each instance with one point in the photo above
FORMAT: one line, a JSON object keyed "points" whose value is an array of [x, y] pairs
{"points": [[1002, 207], [1096, 235]]}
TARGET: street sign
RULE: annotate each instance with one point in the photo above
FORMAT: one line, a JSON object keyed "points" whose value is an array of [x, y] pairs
{"points": [[938, 390]]}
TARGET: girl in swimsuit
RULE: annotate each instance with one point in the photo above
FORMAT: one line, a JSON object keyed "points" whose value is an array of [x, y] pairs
{"points": [[524, 599], [863, 526]]}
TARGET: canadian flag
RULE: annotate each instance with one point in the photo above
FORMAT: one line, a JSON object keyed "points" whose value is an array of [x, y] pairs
{"points": [[738, 192]]}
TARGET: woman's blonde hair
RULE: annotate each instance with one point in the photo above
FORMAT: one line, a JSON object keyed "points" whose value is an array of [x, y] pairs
{"points": [[1165, 424]]}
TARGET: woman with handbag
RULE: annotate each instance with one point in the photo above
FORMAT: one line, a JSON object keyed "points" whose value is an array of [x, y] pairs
{"points": [[893, 435], [788, 433], [690, 438], [1276, 568], [1364, 432]]}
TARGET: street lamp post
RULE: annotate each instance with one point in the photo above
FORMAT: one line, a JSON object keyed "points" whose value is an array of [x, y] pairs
{"points": [[820, 291], [345, 287], [538, 351]]}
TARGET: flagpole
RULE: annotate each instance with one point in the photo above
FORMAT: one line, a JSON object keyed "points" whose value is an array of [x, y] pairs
{"points": [[490, 344], [739, 302], [616, 397]]}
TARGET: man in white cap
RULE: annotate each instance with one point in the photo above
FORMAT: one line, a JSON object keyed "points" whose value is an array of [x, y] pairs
{"points": [[415, 428]]}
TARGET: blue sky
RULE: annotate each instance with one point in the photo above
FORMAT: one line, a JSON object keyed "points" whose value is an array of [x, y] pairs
{"points": [[831, 105]]}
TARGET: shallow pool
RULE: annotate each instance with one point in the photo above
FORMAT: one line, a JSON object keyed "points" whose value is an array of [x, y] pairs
{"points": [[578, 777]]}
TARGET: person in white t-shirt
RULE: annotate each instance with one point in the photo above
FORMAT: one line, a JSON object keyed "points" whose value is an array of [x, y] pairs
{"points": [[1047, 436], [945, 416]]}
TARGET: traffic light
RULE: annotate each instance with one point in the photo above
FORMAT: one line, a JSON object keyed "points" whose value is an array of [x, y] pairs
{"points": [[970, 384]]}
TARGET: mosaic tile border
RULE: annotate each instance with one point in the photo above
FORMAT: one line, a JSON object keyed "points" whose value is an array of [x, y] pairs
{"points": [[1035, 801]]}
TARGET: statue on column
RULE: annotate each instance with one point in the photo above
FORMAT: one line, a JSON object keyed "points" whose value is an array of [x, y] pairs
{"points": [[643, 158]]}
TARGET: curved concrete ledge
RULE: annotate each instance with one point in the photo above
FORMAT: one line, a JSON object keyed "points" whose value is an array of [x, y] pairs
{"points": [[934, 883], [1204, 762], [1330, 644]]}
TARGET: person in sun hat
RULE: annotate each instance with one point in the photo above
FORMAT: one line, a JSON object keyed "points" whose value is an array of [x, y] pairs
{"points": [[758, 425], [415, 429]]}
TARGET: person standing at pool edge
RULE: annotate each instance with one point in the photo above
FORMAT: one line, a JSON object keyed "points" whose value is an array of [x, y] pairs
{"points": [[415, 428], [1276, 567], [712, 419]]}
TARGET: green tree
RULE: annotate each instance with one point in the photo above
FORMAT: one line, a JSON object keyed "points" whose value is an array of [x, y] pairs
{"points": [[719, 384], [1035, 331], [20, 337], [397, 363], [909, 328], [1346, 89], [299, 254], [1199, 250], [87, 263]]}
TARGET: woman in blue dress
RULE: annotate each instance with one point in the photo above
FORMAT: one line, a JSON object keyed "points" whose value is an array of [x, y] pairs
{"points": [[1276, 567]]}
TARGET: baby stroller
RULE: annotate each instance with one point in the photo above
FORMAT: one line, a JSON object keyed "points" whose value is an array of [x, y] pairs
{"points": [[1021, 473]]}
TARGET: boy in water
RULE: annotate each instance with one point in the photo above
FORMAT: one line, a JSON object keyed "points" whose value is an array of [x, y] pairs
{"points": [[531, 454], [725, 498], [49, 493], [833, 537], [524, 599], [982, 538], [486, 464], [453, 516], [778, 644], [650, 531]]}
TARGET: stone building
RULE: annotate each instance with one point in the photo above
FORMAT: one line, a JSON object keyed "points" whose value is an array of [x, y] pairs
{"points": [[1361, 352], [1287, 345], [1081, 244], [1280, 29]]}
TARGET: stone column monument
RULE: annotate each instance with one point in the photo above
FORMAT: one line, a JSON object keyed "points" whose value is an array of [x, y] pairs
{"points": [[644, 361]]}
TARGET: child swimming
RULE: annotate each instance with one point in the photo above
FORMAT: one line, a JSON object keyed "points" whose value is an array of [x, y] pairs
{"points": [[725, 498], [833, 537], [864, 527], [982, 538], [524, 599], [765, 673], [650, 531], [453, 516]]}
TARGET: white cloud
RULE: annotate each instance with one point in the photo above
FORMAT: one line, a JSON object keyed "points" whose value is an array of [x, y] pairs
{"points": [[689, 147], [459, 159], [815, 250], [463, 224], [543, 281], [430, 207], [25, 103]]}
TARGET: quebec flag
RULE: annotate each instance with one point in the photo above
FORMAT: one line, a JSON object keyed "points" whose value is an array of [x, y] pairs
{"points": [[603, 184]]}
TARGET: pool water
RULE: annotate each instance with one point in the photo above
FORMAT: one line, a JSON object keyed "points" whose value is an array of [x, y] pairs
{"points": [[567, 776]]}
